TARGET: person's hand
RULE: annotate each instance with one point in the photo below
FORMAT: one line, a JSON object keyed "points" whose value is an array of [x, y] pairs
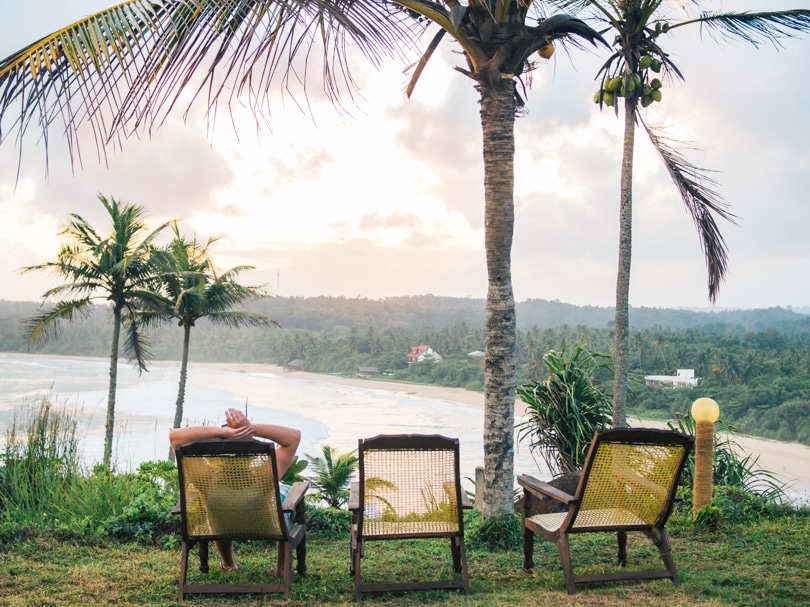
{"points": [[240, 432], [236, 419]]}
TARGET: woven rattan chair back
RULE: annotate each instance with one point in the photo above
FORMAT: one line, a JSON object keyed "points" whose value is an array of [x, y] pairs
{"points": [[409, 487], [408, 491], [231, 495], [628, 483], [229, 490]]}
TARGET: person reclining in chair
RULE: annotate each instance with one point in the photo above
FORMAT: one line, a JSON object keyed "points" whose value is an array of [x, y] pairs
{"points": [[238, 426]]}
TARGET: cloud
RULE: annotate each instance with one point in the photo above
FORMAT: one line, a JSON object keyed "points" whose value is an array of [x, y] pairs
{"points": [[361, 267]]}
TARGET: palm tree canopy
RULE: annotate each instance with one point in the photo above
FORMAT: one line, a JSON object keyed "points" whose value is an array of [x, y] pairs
{"points": [[193, 288], [125, 68], [119, 267], [631, 70], [497, 36]]}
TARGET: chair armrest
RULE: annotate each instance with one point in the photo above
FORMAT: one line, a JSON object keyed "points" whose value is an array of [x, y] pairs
{"points": [[354, 496], [295, 495], [540, 489], [465, 500]]}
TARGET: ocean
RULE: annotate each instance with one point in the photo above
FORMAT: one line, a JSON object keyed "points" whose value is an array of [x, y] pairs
{"points": [[326, 413]]}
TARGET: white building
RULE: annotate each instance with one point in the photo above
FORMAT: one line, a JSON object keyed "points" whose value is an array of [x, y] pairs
{"points": [[423, 352], [682, 379]]}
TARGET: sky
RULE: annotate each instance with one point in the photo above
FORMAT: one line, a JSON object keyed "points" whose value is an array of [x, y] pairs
{"points": [[387, 199]]}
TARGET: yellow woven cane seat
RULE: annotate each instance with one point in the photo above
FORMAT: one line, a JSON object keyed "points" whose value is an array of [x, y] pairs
{"points": [[629, 484], [231, 495], [409, 493]]}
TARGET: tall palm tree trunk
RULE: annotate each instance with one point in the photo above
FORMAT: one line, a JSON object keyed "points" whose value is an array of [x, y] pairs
{"points": [[498, 125], [181, 390], [621, 347], [110, 424]]}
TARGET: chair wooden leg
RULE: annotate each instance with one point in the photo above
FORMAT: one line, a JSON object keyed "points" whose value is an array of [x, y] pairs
{"points": [[353, 548], [183, 571], [203, 552], [528, 549], [280, 554], [621, 536], [301, 549], [565, 558], [465, 575], [661, 540], [301, 557], [287, 550], [358, 548], [456, 552]]}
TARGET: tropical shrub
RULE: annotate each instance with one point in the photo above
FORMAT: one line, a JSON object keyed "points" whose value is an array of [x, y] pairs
{"points": [[565, 410], [332, 473]]}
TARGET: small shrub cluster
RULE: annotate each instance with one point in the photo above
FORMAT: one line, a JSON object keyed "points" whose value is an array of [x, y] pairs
{"points": [[329, 522], [497, 533]]}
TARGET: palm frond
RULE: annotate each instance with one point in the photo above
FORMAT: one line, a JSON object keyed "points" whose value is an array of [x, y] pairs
{"points": [[423, 60], [124, 68], [702, 203], [136, 343], [46, 326], [755, 28]]}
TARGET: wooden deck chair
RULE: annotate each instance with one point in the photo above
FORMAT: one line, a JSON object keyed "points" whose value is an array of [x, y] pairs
{"points": [[409, 487], [229, 491], [628, 483]]}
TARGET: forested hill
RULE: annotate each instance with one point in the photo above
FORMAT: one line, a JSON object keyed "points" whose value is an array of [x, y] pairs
{"points": [[755, 362], [325, 314]]}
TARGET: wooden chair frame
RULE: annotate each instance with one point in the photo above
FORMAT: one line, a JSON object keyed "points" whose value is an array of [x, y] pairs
{"points": [[287, 537], [626, 480], [363, 515]]}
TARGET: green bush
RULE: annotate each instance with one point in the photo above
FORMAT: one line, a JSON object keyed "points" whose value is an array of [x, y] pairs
{"points": [[496, 533], [329, 522], [147, 514]]}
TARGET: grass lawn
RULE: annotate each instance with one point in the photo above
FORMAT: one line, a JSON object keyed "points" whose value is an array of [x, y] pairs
{"points": [[763, 563]]}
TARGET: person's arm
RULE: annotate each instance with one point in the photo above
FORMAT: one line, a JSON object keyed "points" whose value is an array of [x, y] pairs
{"points": [[286, 439], [183, 436]]}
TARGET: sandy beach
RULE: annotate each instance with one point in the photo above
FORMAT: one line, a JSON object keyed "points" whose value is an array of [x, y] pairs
{"points": [[790, 461]]}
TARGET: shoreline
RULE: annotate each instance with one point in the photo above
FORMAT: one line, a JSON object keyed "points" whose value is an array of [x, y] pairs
{"points": [[789, 461]]}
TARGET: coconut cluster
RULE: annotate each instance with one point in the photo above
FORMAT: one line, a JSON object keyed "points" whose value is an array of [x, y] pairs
{"points": [[633, 86]]}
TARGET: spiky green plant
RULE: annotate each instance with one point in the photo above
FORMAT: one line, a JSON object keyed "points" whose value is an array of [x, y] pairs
{"points": [[564, 411]]}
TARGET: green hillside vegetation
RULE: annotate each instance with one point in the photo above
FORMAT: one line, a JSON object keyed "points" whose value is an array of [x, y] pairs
{"points": [[755, 363]]}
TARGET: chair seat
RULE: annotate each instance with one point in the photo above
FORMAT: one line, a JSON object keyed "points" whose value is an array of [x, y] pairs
{"points": [[372, 528], [609, 518]]}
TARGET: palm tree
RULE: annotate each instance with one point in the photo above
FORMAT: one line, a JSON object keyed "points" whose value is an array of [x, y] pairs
{"points": [[333, 473], [119, 268], [125, 68], [192, 289], [630, 73]]}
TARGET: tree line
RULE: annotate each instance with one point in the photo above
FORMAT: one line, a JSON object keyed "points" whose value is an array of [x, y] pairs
{"points": [[757, 368]]}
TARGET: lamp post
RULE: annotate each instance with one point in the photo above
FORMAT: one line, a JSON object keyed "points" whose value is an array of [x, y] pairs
{"points": [[705, 412]]}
